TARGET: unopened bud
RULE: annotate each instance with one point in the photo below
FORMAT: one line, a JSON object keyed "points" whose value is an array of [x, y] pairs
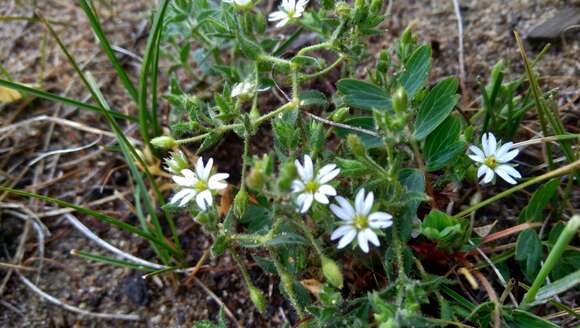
{"points": [[400, 100], [355, 144], [241, 202], [164, 142], [176, 162], [255, 179], [384, 62], [331, 272], [342, 9], [339, 114], [257, 298]]}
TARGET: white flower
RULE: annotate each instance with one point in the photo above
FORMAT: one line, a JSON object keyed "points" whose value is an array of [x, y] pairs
{"points": [[313, 186], [358, 221], [241, 89], [240, 3], [198, 185], [289, 9], [494, 160]]}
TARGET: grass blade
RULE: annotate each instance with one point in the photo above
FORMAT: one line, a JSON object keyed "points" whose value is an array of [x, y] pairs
{"points": [[111, 261], [52, 97], [96, 26]]}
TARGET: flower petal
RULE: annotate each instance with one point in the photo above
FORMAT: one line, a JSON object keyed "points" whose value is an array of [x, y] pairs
{"points": [[346, 206], [368, 204], [178, 196], [341, 213], [215, 181], [491, 145], [204, 200], [329, 176], [347, 238], [321, 198], [481, 171], [297, 186], [489, 174], [380, 220], [503, 149], [508, 156], [187, 198], [327, 190], [477, 155], [183, 181], [283, 22], [308, 198], [300, 170], [359, 201], [372, 237], [363, 241], [341, 231], [508, 173], [308, 167]]}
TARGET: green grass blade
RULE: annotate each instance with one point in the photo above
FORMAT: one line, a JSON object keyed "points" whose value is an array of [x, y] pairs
{"points": [[144, 115], [96, 214], [96, 26], [128, 149], [111, 261], [52, 97]]}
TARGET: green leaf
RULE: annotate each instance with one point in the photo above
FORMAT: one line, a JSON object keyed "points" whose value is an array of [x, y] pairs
{"points": [[443, 144], [363, 95], [306, 61], [313, 98], [351, 168], [416, 70], [539, 201], [414, 183], [436, 107], [526, 319], [438, 225], [365, 122], [286, 238], [112, 261], [557, 287], [249, 48], [529, 252], [209, 141]]}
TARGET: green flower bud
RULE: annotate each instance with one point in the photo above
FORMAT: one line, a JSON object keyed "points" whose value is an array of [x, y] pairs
{"points": [[342, 9], [384, 62], [339, 114], [331, 272], [407, 37], [164, 142], [376, 6], [257, 298], [400, 100], [255, 179], [355, 145], [241, 202], [176, 162]]}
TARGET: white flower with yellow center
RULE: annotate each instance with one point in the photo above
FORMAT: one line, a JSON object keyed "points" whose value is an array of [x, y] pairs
{"points": [[494, 160], [199, 185], [359, 222], [289, 9], [313, 185]]}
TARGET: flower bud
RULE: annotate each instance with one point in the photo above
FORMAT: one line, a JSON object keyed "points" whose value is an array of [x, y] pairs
{"points": [[331, 272], [339, 114], [355, 144], [342, 9], [257, 298], [400, 100], [176, 162], [376, 6], [407, 37], [255, 179], [164, 142], [241, 202], [384, 62]]}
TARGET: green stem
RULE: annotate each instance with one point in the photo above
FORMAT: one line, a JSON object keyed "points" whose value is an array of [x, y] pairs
{"points": [[563, 240], [228, 127], [400, 263], [323, 45], [287, 282], [324, 71], [549, 175]]}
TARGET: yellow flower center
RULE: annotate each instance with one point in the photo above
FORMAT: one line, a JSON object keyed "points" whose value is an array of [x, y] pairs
{"points": [[311, 186], [361, 222], [200, 185], [491, 162]]}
